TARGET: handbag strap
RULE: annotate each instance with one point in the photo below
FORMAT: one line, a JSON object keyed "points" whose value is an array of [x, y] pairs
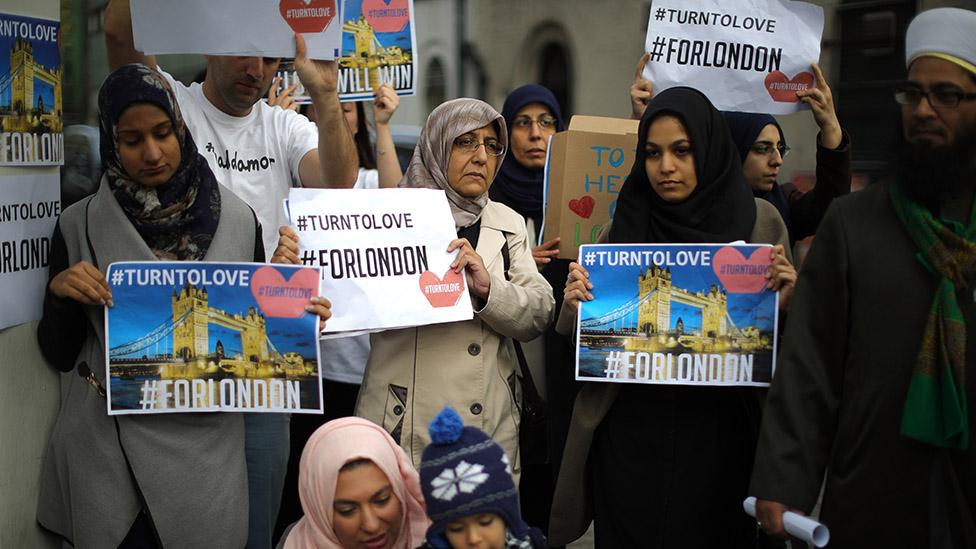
{"points": [[528, 384]]}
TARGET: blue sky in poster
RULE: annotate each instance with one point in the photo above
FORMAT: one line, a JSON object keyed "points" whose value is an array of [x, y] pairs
{"points": [[45, 53], [614, 286], [139, 310], [351, 12]]}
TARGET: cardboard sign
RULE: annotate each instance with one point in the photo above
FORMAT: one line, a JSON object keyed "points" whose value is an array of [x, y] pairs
{"points": [[383, 254], [745, 56], [31, 121], [263, 28], [211, 337], [677, 315], [585, 168], [29, 208]]}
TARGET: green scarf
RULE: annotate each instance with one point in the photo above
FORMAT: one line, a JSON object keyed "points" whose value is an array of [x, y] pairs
{"points": [[935, 408]]}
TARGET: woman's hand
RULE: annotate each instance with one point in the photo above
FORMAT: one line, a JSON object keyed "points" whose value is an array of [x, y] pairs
{"points": [[287, 250], [578, 286], [83, 283], [821, 102], [479, 280], [781, 276], [385, 103], [322, 307], [283, 99], [640, 90], [544, 253]]}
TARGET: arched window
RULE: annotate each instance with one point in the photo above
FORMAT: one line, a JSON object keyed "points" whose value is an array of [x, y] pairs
{"points": [[554, 73], [435, 89]]}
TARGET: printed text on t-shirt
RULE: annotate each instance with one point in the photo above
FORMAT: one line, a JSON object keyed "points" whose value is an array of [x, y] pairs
{"points": [[227, 162]]}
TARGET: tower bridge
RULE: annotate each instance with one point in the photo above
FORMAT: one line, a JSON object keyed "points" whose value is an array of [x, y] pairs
{"points": [[20, 112]]}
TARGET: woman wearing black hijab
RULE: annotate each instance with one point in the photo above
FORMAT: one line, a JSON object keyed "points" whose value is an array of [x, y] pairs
{"points": [[666, 466]]}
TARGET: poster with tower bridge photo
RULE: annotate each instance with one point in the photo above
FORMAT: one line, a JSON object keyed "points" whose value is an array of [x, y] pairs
{"points": [[677, 314], [211, 337]]}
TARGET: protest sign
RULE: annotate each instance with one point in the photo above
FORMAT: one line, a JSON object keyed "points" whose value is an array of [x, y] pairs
{"points": [[209, 337], [745, 56], [383, 254], [263, 28], [677, 314], [31, 121], [585, 168], [379, 46], [29, 208]]}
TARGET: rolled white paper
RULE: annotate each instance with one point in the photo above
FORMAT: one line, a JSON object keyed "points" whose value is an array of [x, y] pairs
{"points": [[798, 526]]}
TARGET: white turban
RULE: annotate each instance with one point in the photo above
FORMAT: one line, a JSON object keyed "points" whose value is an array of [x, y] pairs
{"points": [[946, 33]]}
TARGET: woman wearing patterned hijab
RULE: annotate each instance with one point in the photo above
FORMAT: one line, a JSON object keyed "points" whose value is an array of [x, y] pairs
{"points": [[413, 373], [172, 480]]}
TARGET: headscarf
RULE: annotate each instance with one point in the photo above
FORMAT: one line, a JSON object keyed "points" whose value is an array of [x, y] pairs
{"points": [[720, 208], [177, 219], [428, 166], [329, 448], [516, 186], [945, 33], [745, 128]]}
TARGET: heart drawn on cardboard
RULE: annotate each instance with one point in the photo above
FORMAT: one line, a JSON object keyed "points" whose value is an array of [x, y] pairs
{"points": [[443, 291], [307, 16], [783, 89], [582, 206], [738, 274], [386, 15], [278, 298]]}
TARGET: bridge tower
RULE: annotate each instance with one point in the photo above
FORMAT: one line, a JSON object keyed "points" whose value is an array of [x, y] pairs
{"points": [[190, 338], [714, 321], [22, 87], [254, 336], [654, 316]]}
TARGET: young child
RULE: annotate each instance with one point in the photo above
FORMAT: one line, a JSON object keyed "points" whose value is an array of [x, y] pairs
{"points": [[471, 497]]}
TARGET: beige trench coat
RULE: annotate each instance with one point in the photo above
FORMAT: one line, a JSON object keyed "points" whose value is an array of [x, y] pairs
{"points": [[413, 373], [571, 508]]}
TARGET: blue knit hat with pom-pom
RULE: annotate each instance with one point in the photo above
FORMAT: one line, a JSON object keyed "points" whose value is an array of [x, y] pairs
{"points": [[464, 473]]}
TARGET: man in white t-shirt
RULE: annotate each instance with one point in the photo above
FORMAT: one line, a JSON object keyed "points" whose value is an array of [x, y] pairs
{"points": [[259, 152]]}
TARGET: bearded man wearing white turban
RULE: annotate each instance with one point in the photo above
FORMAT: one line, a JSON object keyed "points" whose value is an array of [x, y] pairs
{"points": [[875, 391]]}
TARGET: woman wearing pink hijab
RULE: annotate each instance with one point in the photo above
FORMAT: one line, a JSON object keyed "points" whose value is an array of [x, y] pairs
{"points": [[358, 490]]}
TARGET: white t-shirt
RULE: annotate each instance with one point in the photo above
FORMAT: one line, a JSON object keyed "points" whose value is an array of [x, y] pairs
{"points": [[255, 156], [344, 359]]}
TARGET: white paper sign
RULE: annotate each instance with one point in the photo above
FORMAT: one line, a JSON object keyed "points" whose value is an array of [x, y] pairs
{"points": [[751, 55], [383, 254], [29, 207], [237, 27]]}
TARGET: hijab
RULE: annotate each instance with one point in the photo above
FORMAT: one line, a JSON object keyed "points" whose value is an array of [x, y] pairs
{"points": [[428, 166], [329, 448], [745, 128], [177, 219], [516, 186], [720, 208]]}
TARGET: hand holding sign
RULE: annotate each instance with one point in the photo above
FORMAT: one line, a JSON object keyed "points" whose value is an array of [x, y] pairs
{"points": [[83, 283], [318, 77], [578, 286], [385, 103], [544, 252], [821, 102], [479, 281], [781, 275], [283, 98]]}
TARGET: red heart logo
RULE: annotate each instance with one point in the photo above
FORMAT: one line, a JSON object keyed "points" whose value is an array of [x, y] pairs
{"points": [[738, 274], [583, 207], [307, 16], [442, 292], [281, 299], [386, 15], [783, 89]]}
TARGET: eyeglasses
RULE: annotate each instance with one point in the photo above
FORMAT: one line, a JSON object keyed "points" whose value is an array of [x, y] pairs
{"points": [[940, 96], [469, 144], [765, 148], [524, 123]]}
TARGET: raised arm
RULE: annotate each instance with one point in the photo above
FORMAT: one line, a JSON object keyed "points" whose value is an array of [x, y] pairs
{"points": [[119, 42], [335, 163], [387, 164]]}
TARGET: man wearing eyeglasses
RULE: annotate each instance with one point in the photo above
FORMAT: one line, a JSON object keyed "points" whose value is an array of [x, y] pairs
{"points": [[874, 396]]}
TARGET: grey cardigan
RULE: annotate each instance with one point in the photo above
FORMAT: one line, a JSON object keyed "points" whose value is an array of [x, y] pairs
{"points": [[189, 468], [571, 508]]}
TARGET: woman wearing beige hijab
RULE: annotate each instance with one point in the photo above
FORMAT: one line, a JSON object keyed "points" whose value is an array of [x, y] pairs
{"points": [[470, 365]]}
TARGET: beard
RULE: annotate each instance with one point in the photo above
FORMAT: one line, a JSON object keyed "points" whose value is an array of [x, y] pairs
{"points": [[933, 173]]}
